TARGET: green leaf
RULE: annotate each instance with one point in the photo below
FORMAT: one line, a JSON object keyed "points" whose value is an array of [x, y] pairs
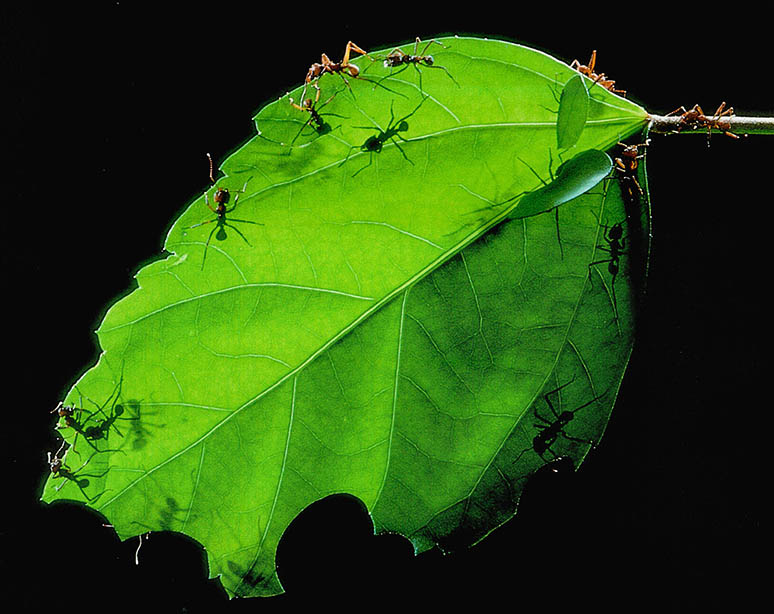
{"points": [[386, 332], [573, 112]]}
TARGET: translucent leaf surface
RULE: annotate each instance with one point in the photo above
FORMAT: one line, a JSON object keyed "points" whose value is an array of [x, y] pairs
{"points": [[366, 319]]}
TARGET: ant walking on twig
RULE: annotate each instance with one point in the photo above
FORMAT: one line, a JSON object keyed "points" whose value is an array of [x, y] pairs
{"points": [[601, 79], [221, 198], [695, 119], [396, 58]]}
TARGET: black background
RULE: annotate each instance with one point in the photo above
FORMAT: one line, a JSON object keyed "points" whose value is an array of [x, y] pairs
{"points": [[112, 111]]}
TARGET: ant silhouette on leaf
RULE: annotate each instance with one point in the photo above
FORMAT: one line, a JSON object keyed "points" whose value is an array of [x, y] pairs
{"points": [[616, 246], [551, 429], [221, 198], [375, 143]]}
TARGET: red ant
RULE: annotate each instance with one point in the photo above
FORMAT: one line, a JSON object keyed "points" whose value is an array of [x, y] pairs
{"points": [[608, 84], [221, 198], [318, 69], [60, 470], [694, 119], [628, 163], [396, 57], [63, 411]]}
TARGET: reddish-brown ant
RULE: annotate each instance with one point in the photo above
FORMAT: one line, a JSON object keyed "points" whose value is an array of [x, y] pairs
{"points": [[396, 58], [628, 164], [66, 412], [60, 470], [588, 70], [221, 199], [695, 119], [318, 69]]}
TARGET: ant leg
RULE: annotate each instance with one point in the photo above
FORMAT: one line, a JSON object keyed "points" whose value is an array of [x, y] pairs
{"points": [[239, 232], [207, 202], [400, 149], [391, 74], [370, 161], [681, 110], [215, 219], [592, 60], [207, 244], [353, 47], [446, 70], [591, 264]]}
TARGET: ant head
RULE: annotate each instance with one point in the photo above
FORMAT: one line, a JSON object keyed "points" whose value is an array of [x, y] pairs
{"points": [[308, 103], [428, 59], [221, 196], [353, 70], [616, 231], [629, 151], [402, 126]]}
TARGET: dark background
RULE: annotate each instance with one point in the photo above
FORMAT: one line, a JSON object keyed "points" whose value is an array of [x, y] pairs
{"points": [[666, 513]]}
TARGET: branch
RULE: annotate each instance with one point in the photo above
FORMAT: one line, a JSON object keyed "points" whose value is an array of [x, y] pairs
{"points": [[670, 124]]}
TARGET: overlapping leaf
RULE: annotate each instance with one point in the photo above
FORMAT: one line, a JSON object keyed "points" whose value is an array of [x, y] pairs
{"points": [[383, 332]]}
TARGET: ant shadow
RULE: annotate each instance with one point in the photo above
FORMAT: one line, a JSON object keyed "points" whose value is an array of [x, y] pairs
{"points": [[375, 143]]}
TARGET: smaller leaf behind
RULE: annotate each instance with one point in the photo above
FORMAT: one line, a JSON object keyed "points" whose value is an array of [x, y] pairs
{"points": [[573, 112], [573, 178]]}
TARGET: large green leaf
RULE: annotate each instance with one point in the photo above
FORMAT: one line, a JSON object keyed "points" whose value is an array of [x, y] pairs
{"points": [[386, 332]]}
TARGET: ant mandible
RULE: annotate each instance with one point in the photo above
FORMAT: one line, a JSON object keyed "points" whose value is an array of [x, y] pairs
{"points": [[221, 199], [588, 70], [318, 69], [396, 58]]}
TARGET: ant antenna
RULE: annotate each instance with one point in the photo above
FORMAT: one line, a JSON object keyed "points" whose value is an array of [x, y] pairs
{"points": [[209, 157]]}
